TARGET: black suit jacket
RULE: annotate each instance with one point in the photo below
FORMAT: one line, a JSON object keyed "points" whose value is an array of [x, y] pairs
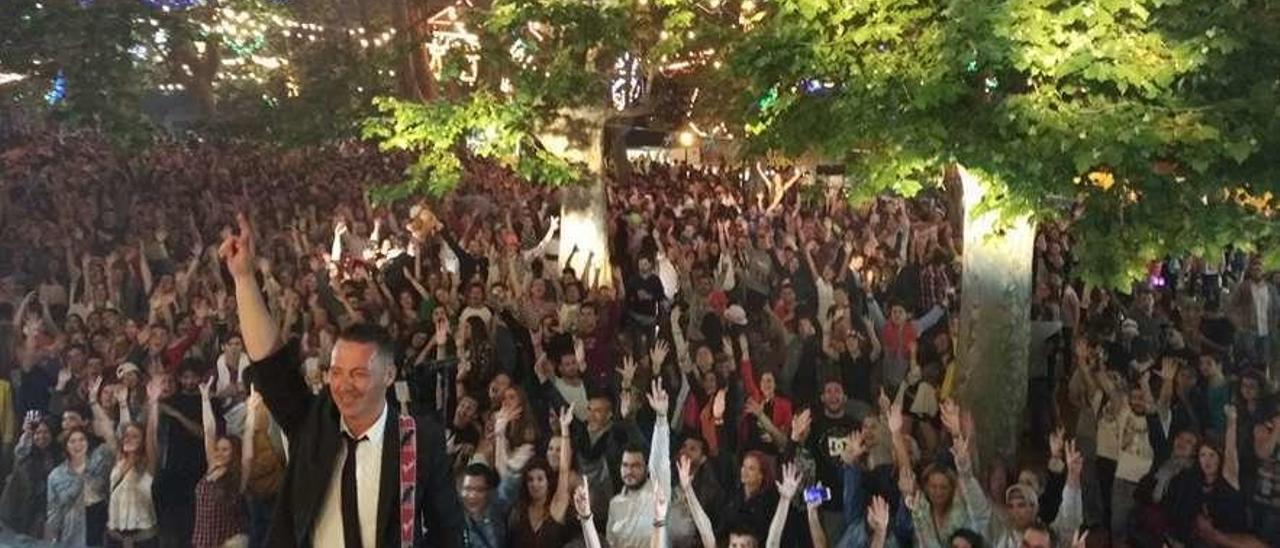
{"points": [[312, 425]]}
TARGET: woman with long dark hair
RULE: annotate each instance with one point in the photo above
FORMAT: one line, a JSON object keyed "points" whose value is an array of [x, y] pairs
{"points": [[220, 493], [22, 505], [1210, 488], [538, 519]]}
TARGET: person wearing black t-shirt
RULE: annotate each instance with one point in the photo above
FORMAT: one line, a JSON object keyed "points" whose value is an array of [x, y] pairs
{"points": [[827, 438], [644, 296], [182, 459]]}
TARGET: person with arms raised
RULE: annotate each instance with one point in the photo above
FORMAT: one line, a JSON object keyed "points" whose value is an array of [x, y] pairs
{"points": [[359, 465]]}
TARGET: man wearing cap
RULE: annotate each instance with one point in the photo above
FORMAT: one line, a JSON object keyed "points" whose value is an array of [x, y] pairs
{"points": [[363, 473], [130, 377], [1022, 503]]}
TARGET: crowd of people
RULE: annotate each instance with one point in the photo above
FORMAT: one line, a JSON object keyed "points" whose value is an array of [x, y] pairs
{"points": [[789, 355]]}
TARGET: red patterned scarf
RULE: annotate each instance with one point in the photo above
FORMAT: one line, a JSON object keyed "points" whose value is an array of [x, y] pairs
{"points": [[408, 477]]}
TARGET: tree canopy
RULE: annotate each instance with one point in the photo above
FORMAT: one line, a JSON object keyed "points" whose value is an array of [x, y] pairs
{"points": [[1158, 117], [1151, 123], [530, 63]]}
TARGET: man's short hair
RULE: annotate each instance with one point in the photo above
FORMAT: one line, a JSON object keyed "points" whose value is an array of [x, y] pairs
{"points": [[376, 335], [194, 365], [635, 447], [694, 436], [742, 529], [974, 539], [481, 470], [558, 347], [1042, 528], [79, 410]]}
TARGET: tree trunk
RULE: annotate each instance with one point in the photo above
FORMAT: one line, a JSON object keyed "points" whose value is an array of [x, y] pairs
{"points": [[995, 324], [578, 135], [409, 17]]}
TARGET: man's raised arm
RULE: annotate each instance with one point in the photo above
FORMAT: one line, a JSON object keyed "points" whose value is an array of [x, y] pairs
{"points": [[281, 384], [256, 326]]}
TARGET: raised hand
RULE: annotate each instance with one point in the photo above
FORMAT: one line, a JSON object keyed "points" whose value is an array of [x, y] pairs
{"points": [[206, 388], [155, 389], [95, 388], [790, 481], [1230, 412], [1056, 442], [878, 515], [906, 481], [238, 249], [755, 408], [1168, 369], [854, 448], [1075, 464], [685, 468], [658, 355], [884, 402], [566, 420], [451, 446], [895, 419], [658, 399], [800, 426], [718, 405], [504, 416], [442, 333], [951, 416], [582, 500], [628, 370]]}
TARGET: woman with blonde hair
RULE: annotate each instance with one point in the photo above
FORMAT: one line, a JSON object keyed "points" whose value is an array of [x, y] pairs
{"points": [[131, 513]]}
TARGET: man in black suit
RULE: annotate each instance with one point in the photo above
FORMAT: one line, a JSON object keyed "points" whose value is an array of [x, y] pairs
{"points": [[342, 487]]}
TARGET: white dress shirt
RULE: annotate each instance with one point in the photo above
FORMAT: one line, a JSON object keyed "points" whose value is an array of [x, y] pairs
{"points": [[222, 372], [328, 527]]}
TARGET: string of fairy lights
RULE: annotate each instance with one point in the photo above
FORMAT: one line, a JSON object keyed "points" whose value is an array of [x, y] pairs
{"points": [[257, 44]]}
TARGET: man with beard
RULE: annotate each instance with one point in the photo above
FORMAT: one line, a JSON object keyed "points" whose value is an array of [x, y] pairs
{"points": [[631, 512], [600, 447], [825, 443], [181, 457]]}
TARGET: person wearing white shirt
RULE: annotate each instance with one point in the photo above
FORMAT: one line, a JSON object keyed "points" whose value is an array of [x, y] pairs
{"points": [[230, 368], [351, 449], [631, 512], [328, 530]]}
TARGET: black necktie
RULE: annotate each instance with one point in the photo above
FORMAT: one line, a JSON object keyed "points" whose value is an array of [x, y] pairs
{"points": [[350, 505]]}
